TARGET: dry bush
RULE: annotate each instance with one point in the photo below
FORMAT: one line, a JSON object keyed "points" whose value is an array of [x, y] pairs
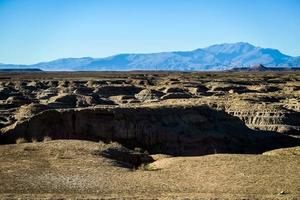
{"points": [[47, 138], [147, 167], [34, 140], [21, 140]]}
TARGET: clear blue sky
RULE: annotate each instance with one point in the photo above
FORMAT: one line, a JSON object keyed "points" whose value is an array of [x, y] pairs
{"points": [[40, 30]]}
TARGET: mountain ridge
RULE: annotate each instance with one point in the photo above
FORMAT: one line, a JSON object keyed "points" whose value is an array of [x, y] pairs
{"points": [[212, 58]]}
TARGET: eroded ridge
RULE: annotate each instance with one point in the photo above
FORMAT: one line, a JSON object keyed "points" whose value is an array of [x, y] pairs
{"points": [[263, 101], [179, 130]]}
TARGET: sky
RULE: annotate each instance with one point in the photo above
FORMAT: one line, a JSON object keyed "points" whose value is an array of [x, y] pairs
{"points": [[33, 31]]}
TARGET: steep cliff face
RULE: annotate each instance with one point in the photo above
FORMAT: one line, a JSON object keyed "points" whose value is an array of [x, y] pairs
{"points": [[263, 117], [179, 130]]}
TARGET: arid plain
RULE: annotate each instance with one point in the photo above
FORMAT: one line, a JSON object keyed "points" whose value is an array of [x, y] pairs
{"points": [[150, 135]]}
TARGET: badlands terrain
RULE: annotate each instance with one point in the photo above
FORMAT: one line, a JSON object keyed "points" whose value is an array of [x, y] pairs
{"points": [[149, 135]]}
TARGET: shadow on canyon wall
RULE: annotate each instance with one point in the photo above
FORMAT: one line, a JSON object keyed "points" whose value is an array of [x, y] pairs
{"points": [[185, 131]]}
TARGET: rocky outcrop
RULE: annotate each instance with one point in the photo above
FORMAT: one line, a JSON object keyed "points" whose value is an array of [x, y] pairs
{"points": [[107, 91], [148, 95], [268, 118]]}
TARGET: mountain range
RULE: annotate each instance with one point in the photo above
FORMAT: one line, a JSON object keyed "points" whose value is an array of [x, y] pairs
{"points": [[213, 58]]}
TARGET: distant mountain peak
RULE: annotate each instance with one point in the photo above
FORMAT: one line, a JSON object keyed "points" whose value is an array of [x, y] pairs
{"points": [[258, 67], [216, 57], [229, 48]]}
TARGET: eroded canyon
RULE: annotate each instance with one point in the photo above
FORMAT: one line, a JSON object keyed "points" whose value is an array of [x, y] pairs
{"points": [[160, 113]]}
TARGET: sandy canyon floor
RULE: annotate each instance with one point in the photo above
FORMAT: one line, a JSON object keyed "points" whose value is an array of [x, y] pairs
{"points": [[154, 135]]}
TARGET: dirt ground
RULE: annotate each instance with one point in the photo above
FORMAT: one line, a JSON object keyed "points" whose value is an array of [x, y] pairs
{"points": [[67, 169]]}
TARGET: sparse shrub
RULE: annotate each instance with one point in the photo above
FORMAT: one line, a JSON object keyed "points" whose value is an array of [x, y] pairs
{"points": [[21, 140], [34, 140], [147, 167], [47, 138]]}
